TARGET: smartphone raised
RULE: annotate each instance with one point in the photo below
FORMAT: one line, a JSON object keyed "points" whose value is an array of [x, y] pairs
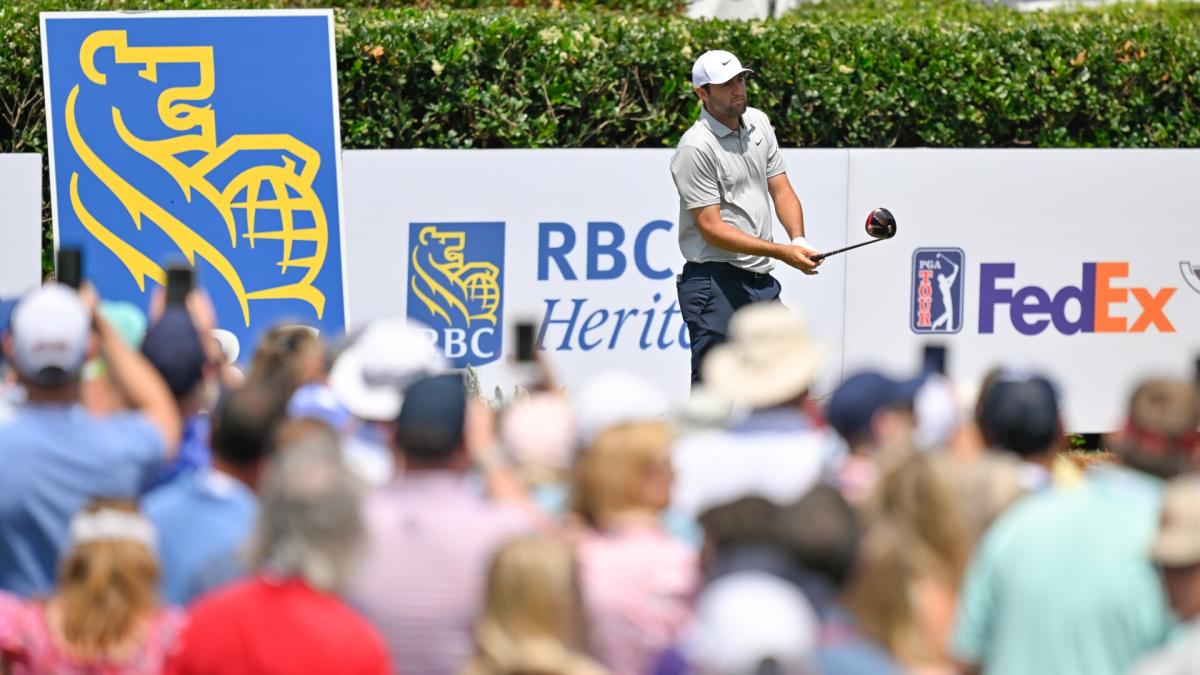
{"points": [[934, 359], [181, 279], [69, 267], [525, 342]]}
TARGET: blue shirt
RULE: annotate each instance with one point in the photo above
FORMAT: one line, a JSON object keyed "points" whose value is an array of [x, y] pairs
{"points": [[203, 520], [54, 459], [1062, 583], [194, 454]]}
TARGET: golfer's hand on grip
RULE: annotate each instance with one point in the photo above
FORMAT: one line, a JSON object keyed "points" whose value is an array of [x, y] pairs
{"points": [[798, 257]]}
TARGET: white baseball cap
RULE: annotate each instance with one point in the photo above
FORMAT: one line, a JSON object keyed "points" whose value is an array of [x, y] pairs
{"points": [[716, 67], [50, 330], [745, 618], [617, 397]]}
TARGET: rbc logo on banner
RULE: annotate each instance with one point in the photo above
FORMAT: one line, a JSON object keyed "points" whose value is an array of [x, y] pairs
{"points": [[937, 293], [456, 286], [208, 137]]}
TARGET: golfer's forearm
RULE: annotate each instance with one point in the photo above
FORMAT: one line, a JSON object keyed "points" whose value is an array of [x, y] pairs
{"points": [[723, 235], [791, 215], [787, 205]]}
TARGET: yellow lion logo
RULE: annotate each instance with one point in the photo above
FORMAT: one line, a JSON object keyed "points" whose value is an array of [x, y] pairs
{"points": [[448, 285], [285, 187]]}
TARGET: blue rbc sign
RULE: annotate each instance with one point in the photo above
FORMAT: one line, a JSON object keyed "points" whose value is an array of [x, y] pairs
{"points": [[936, 303], [205, 137], [456, 286]]}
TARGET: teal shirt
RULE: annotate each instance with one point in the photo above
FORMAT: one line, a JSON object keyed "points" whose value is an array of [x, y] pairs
{"points": [[1062, 583]]}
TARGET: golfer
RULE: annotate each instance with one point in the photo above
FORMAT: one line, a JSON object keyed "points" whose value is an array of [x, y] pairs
{"points": [[728, 172]]}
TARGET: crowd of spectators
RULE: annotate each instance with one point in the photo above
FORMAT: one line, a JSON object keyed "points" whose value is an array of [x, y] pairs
{"points": [[351, 506]]}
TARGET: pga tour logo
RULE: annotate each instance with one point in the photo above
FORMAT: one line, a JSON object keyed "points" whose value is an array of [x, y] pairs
{"points": [[937, 290]]}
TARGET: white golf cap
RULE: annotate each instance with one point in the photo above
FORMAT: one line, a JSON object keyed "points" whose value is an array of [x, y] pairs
{"points": [[746, 618], [50, 329], [616, 397], [716, 67]]}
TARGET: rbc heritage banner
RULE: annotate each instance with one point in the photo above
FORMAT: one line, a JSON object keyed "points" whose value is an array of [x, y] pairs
{"points": [[582, 244], [209, 138]]}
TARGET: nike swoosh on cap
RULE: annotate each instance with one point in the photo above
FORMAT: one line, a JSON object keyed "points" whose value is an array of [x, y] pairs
{"points": [[726, 62]]}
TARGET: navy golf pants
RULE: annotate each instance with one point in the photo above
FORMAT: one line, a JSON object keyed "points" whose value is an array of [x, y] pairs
{"points": [[709, 294]]}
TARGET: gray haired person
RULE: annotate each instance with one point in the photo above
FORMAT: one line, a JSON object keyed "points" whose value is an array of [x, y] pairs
{"points": [[310, 527]]}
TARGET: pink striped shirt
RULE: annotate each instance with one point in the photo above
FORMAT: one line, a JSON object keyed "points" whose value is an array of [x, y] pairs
{"points": [[431, 537], [638, 585]]}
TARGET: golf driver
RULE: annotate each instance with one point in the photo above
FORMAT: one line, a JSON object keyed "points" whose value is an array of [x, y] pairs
{"points": [[881, 224]]}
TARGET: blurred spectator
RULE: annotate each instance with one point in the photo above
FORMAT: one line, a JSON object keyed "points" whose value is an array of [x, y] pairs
{"points": [[823, 534], [778, 450], [11, 395], [290, 357], [743, 535], [751, 623], [105, 616], [533, 615], [638, 581], [616, 397], [431, 532], [906, 585], [1018, 413], [288, 618], [873, 413], [319, 401], [1061, 582], [369, 378], [56, 456], [539, 433], [937, 411], [98, 394], [174, 347], [204, 519], [1176, 550], [881, 595]]}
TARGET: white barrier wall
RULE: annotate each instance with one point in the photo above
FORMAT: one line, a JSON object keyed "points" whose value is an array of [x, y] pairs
{"points": [[588, 250], [1085, 264], [1077, 262], [21, 197]]}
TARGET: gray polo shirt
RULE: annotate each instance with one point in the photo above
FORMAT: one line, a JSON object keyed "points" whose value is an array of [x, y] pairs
{"points": [[714, 165]]}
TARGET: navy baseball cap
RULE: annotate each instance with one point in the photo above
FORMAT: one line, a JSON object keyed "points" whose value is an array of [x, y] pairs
{"points": [[853, 405], [432, 417], [1019, 413], [173, 347]]}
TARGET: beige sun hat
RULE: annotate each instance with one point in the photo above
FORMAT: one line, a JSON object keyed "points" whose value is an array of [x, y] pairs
{"points": [[769, 359]]}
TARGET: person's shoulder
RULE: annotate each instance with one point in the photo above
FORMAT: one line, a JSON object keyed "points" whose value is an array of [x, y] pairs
{"points": [[695, 138], [166, 500], [1029, 513], [226, 602]]}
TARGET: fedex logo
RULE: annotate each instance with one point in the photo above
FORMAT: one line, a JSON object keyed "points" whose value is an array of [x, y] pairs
{"points": [[1097, 301]]}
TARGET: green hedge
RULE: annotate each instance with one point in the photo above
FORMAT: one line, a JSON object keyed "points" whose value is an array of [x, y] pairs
{"points": [[876, 73], [869, 73], [531, 79]]}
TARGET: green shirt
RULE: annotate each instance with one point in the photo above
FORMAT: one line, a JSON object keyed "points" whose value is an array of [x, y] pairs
{"points": [[1062, 583]]}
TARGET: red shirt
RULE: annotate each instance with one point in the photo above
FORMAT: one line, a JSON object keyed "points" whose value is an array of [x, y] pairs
{"points": [[267, 627]]}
